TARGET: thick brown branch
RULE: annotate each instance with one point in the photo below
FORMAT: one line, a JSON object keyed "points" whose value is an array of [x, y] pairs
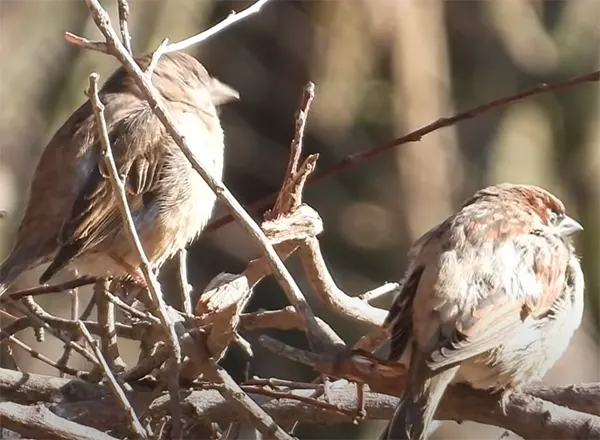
{"points": [[39, 422], [330, 294], [527, 414]]}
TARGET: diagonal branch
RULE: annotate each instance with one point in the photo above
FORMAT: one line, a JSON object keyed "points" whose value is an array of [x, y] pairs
{"points": [[233, 18], [149, 276], [135, 425]]}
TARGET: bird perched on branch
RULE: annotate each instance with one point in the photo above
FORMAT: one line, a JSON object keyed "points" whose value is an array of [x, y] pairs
{"points": [[72, 216], [491, 298]]}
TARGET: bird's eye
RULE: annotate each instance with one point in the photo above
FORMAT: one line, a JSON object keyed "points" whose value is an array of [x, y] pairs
{"points": [[553, 218]]}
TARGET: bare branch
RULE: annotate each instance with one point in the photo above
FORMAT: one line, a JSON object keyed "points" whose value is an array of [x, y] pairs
{"points": [[38, 317], [84, 43], [229, 21], [160, 50], [283, 319], [194, 346], [290, 198], [185, 289], [52, 288], [220, 307], [106, 320], [380, 291], [63, 361], [63, 368], [39, 422], [528, 415], [123, 25], [330, 294], [136, 427], [57, 324]]}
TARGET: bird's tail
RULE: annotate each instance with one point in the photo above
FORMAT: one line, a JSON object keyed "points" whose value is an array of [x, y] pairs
{"points": [[414, 414], [12, 268]]}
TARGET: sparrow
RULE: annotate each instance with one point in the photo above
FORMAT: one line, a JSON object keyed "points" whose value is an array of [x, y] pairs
{"points": [[491, 298], [72, 220]]}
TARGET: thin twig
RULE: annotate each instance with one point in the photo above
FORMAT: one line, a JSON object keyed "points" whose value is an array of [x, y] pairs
{"points": [[414, 136], [205, 35], [288, 199], [76, 40], [378, 292], [244, 345], [146, 365], [361, 413], [235, 394], [130, 309], [160, 50], [68, 351], [106, 320], [314, 395], [185, 289], [288, 395], [53, 288], [58, 325], [74, 294], [123, 25], [88, 309], [119, 189], [275, 383], [39, 315], [194, 344], [136, 427], [64, 369]]}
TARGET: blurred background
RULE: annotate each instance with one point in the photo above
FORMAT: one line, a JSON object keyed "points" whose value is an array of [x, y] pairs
{"points": [[382, 68]]}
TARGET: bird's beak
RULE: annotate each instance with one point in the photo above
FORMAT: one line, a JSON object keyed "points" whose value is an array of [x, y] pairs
{"points": [[221, 93], [568, 226]]}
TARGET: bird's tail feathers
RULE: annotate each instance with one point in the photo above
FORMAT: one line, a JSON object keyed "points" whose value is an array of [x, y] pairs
{"points": [[413, 416], [12, 268], [8, 274]]}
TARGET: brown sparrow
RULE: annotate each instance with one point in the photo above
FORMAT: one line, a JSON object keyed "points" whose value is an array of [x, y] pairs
{"points": [[491, 298], [72, 218]]}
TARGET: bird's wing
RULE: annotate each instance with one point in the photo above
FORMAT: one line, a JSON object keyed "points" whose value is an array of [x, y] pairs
{"points": [[135, 142], [399, 318], [524, 281]]}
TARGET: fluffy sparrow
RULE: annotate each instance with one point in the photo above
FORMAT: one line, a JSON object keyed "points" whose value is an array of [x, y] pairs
{"points": [[491, 298], [71, 217]]}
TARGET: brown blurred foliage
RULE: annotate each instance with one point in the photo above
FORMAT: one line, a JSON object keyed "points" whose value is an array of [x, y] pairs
{"points": [[381, 68]]}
